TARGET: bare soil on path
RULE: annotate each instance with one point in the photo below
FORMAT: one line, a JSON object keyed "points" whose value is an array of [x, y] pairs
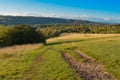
{"points": [[32, 69], [89, 69]]}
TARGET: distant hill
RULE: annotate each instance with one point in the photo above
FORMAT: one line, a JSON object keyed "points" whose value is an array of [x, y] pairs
{"points": [[15, 20]]}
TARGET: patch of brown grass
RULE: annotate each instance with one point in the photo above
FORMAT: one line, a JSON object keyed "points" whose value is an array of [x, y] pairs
{"points": [[8, 52], [81, 36]]}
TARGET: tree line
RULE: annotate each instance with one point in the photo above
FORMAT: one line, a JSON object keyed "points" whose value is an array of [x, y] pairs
{"points": [[23, 34], [55, 30], [20, 34]]}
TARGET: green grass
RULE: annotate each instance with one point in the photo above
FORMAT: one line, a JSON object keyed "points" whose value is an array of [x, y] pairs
{"points": [[16, 66], [107, 52], [104, 50], [69, 49], [13, 68], [53, 67]]}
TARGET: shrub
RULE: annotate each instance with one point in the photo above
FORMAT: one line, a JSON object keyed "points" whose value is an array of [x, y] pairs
{"points": [[20, 34]]}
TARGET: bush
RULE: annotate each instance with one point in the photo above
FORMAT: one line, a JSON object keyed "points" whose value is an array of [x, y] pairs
{"points": [[20, 34]]}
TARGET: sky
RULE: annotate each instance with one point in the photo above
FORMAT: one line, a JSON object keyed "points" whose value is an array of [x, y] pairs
{"points": [[93, 10]]}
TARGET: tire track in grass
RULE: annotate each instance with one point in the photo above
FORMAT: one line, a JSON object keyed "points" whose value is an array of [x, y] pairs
{"points": [[32, 69], [89, 69], [54, 68]]}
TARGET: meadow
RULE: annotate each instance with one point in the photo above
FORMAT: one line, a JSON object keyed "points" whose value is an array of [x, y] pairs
{"points": [[45, 62]]}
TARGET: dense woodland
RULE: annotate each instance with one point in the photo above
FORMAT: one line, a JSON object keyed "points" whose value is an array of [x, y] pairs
{"points": [[22, 34], [55, 30]]}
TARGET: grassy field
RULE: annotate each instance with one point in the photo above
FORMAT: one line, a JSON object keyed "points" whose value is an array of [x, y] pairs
{"points": [[38, 62], [21, 63], [105, 48], [15, 61]]}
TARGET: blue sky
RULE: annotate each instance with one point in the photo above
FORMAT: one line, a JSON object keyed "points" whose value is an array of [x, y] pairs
{"points": [[96, 10]]}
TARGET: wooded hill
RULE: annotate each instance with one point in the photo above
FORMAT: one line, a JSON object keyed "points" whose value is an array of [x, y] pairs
{"points": [[16, 20]]}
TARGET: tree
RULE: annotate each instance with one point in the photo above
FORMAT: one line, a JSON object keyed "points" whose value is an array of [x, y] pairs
{"points": [[20, 34]]}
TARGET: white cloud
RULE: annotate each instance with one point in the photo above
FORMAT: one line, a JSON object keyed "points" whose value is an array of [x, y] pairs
{"points": [[81, 17], [107, 19], [18, 14], [84, 17]]}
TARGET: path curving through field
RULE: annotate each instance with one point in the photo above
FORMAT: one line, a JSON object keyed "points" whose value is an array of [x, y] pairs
{"points": [[89, 69], [32, 69]]}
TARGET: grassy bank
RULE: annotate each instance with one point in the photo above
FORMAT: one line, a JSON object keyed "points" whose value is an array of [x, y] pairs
{"points": [[105, 48], [25, 62]]}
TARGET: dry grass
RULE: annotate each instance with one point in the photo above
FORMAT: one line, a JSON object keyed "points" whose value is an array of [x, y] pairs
{"points": [[81, 36], [11, 51]]}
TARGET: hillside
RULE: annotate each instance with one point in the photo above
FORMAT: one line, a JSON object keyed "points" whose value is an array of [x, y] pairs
{"points": [[15, 20], [68, 57]]}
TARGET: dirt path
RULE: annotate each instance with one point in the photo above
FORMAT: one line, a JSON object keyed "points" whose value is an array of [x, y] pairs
{"points": [[32, 69], [89, 69]]}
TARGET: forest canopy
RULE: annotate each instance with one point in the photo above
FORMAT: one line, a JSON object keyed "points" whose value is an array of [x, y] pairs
{"points": [[20, 34], [55, 30], [24, 34]]}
